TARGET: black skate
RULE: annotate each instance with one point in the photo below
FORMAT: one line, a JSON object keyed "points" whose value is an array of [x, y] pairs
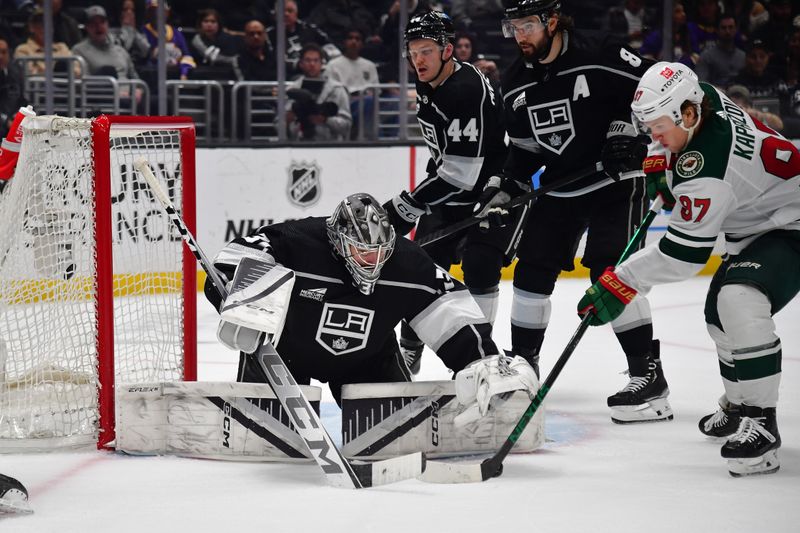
{"points": [[411, 351], [753, 448], [723, 423], [644, 398]]}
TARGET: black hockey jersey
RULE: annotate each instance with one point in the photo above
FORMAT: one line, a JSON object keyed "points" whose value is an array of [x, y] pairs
{"points": [[558, 114], [461, 122], [331, 328]]}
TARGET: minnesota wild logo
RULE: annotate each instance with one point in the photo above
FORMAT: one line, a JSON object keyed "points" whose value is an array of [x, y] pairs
{"points": [[689, 164]]}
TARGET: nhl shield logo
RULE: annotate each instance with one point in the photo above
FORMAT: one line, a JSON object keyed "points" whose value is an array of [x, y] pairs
{"points": [[344, 328], [552, 125], [304, 187]]}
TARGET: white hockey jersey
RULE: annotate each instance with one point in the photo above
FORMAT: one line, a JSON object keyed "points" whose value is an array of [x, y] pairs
{"points": [[737, 177]]}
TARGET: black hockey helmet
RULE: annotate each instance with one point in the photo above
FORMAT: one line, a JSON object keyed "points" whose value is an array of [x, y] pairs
{"points": [[517, 9], [361, 234], [433, 25]]}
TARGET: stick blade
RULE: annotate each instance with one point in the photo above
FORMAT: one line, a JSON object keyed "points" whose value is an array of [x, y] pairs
{"points": [[392, 470], [444, 472]]}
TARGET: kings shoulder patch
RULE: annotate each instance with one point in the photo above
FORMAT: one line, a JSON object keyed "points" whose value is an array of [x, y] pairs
{"points": [[689, 164]]}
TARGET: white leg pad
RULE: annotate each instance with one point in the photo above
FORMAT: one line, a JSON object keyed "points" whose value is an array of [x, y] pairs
{"points": [[384, 420], [224, 420]]}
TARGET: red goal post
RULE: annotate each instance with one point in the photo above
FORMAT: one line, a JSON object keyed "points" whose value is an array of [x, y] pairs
{"points": [[96, 288]]}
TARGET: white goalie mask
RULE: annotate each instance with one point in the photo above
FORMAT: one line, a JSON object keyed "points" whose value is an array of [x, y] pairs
{"points": [[360, 232], [662, 91]]}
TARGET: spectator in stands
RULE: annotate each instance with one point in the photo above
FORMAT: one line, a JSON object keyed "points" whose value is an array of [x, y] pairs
{"points": [[750, 14], [629, 22], [706, 17], [212, 46], [467, 13], [127, 34], [722, 60], [356, 74], [11, 96], [776, 32], [256, 59], [298, 33], [762, 81], [792, 70], [178, 54], [34, 46], [464, 50], [336, 17], [741, 97], [65, 28], [102, 55], [319, 108], [685, 39]]}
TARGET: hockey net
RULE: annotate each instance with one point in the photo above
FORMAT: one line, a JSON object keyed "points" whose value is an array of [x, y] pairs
{"points": [[96, 289]]}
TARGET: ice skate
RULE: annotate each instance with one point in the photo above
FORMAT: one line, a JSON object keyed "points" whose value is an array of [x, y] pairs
{"points": [[723, 423], [643, 399], [753, 448]]}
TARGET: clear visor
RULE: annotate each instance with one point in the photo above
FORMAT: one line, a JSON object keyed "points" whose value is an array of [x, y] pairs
{"points": [[657, 126], [426, 51], [528, 26]]}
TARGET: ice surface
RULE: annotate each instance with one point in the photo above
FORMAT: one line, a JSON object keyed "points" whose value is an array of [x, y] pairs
{"points": [[592, 476]]}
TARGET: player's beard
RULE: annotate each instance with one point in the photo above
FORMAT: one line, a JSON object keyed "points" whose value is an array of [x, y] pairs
{"points": [[537, 53]]}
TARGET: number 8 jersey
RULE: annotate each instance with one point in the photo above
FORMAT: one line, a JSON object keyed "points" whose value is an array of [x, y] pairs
{"points": [[737, 177], [462, 126]]}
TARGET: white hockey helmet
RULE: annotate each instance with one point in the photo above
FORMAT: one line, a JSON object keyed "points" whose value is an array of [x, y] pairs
{"points": [[360, 232], [662, 91]]}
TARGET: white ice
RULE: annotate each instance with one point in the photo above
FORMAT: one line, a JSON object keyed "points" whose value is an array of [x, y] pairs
{"points": [[591, 476]]}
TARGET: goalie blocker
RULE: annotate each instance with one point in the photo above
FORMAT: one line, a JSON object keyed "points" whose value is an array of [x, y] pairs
{"points": [[382, 420]]}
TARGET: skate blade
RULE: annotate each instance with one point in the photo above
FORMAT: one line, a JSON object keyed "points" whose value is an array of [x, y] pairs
{"points": [[657, 410], [753, 466]]}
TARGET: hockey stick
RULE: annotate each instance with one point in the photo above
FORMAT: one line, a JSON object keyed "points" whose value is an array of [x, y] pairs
{"points": [[518, 201], [338, 470], [442, 472]]}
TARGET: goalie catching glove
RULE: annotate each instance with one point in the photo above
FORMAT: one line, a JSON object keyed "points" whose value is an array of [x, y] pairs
{"points": [[257, 304], [485, 382], [606, 299]]}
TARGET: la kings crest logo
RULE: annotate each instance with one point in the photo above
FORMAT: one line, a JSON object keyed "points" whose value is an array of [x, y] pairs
{"points": [[431, 139], [344, 328], [304, 187], [552, 124]]}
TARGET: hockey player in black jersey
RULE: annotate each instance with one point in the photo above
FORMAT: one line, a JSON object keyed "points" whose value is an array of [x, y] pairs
{"points": [[354, 282], [459, 116], [566, 106]]}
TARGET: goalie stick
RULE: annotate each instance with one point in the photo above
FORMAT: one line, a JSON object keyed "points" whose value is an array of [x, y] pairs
{"points": [[338, 470], [516, 202], [443, 472]]}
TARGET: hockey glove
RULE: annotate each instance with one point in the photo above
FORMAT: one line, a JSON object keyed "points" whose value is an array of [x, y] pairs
{"points": [[403, 211], [485, 382], [623, 153], [497, 192], [656, 180], [606, 299]]}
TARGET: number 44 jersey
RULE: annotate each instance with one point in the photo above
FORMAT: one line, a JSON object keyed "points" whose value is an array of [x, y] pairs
{"points": [[736, 177]]}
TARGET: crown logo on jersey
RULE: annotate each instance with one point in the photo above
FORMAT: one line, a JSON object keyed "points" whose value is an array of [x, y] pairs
{"points": [[555, 140], [340, 344], [552, 125]]}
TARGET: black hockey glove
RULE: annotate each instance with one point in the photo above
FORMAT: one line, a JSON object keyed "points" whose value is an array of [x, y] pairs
{"points": [[497, 192], [623, 153], [403, 211]]}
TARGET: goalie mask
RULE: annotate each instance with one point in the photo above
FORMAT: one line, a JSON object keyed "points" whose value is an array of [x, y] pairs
{"points": [[361, 234], [662, 91]]}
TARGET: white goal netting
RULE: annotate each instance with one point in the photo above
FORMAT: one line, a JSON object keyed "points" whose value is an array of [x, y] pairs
{"points": [[77, 288]]}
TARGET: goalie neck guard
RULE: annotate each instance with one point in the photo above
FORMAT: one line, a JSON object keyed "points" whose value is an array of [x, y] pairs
{"points": [[361, 234]]}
